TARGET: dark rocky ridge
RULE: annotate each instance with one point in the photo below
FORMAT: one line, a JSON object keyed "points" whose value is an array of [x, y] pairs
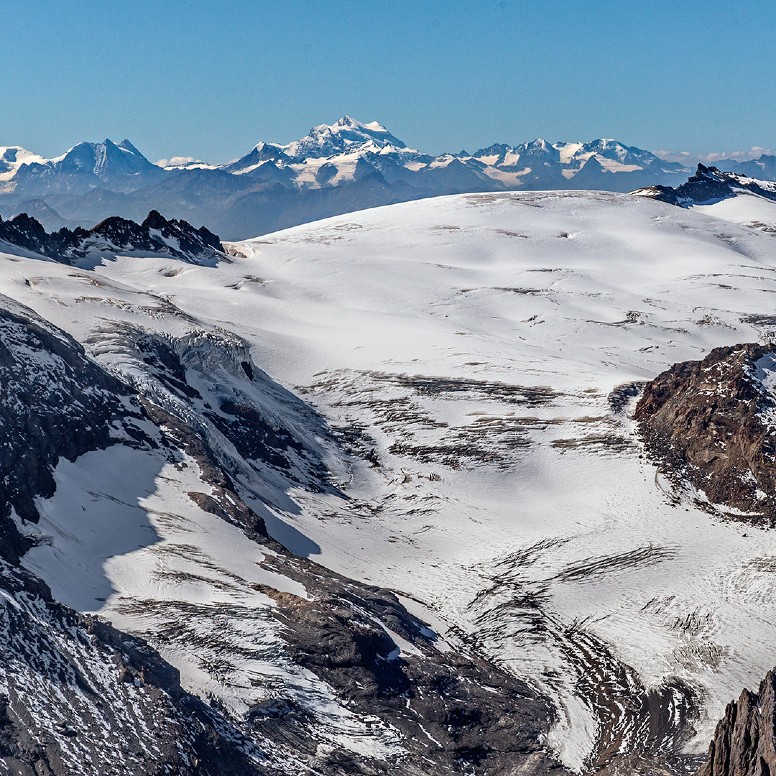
{"points": [[709, 184], [54, 402], [156, 235], [744, 742], [706, 424]]}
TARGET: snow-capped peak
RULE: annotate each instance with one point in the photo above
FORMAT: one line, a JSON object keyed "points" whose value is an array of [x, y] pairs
{"points": [[540, 144], [344, 135], [13, 157], [609, 148], [538, 148], [126, 145]]}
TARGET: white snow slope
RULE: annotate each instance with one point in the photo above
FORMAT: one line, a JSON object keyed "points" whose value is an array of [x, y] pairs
{"points": [[472, 342], [745, 208]]}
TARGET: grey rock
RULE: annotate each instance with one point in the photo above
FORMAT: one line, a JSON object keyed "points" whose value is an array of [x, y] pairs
{"points": [[744, 742]]}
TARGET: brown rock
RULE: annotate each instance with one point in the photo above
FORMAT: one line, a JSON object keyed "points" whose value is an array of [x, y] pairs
{"points": [[705, 424]]}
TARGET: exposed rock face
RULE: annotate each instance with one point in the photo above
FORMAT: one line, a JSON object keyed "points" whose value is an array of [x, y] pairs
{"points": [[709, 184], [77, 696], [744, 742], [54, 402], [155, 235], [710, 424], [462, 714]]}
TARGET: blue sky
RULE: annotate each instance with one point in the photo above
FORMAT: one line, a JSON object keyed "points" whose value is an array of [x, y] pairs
{"points": [[210, 79]]}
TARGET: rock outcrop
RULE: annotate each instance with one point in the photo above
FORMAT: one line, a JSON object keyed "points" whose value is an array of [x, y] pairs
{"points": [[709, 425], [744, 742], [709, 184], [156, 235]]}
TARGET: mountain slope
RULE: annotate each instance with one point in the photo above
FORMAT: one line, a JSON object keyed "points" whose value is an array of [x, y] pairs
{"points": [[78, 696], [463, 370], [138, 486], [446, 446]]}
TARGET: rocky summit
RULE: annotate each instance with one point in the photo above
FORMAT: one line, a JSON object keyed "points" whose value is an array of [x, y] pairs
{"points": [[744, 742], [709, 185]]}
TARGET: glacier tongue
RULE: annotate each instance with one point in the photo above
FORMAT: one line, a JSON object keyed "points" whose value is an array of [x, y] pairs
{"points": [[159, 524]]}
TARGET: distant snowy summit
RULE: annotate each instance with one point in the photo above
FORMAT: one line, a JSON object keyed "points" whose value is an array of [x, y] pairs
{"points": [[348, 150], [346, 135], [336, 168]]}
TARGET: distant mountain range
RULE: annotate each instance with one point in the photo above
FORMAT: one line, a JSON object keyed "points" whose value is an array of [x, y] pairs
{"points": [[337, 168]]}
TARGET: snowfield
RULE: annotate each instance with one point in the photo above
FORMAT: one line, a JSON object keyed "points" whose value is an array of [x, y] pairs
{"points": [[475, 357], [745, 208]]}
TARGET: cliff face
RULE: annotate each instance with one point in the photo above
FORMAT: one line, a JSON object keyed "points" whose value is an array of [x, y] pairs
{"points": [[708, 424], [744, 743]]}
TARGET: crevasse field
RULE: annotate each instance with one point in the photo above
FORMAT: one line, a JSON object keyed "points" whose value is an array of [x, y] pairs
{"points": [[476, 357]]}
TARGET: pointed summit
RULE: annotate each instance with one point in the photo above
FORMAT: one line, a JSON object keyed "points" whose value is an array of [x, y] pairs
{"points": [[608, 148], [86, 166], [343, 136], [538, 151], [346, 121], [127, 146]]}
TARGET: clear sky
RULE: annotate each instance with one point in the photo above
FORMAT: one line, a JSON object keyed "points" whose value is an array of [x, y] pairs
{"points": [[211, 79]]}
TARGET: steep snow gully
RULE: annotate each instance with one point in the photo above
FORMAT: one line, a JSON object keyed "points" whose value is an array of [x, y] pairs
{"points": [[368, 495]]}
